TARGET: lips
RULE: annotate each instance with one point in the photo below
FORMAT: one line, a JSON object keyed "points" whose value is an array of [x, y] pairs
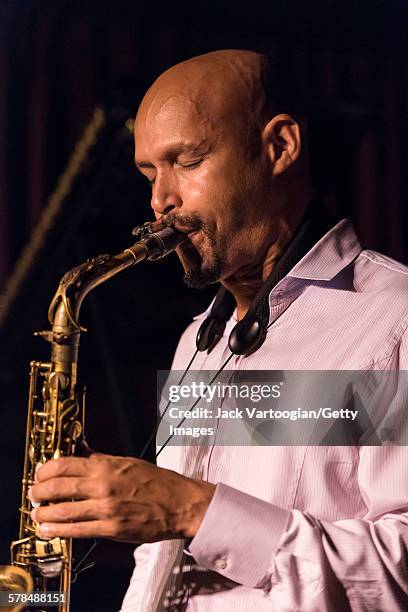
{"points": [[191, 233], [193, 240], [184, 230]]}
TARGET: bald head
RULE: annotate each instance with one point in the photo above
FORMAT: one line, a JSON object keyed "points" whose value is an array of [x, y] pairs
{"points": [[221, 84]]}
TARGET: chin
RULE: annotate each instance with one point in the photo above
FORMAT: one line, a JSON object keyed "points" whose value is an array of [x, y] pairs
{"points": [[202, 276], [199, 273]]}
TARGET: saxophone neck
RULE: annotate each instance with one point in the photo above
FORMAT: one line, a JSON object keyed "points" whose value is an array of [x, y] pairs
{"points": [[75, 285], [157, 240]]}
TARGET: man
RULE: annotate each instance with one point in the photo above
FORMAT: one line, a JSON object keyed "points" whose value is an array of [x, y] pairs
{"points": [[266, 528]]}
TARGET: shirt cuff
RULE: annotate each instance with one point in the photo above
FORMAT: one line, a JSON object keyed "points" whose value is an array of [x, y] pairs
{"points": [[239, 535]]}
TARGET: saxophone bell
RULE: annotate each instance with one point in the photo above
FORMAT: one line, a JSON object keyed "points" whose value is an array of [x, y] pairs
{"points": [[15, 580]]}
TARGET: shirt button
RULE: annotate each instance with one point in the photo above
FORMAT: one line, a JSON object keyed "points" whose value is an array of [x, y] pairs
{"points": [[220, 564]]}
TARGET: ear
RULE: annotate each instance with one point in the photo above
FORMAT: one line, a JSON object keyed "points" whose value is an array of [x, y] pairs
{"points": [[282, 138]]}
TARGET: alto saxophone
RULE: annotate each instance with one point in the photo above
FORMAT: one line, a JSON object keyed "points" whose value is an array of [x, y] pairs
{"points": [[55, 424]]}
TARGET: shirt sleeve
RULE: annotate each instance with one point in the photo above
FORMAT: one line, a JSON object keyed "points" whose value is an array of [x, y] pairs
{"points": [[132, 601], [297, 559], [304, 563]]}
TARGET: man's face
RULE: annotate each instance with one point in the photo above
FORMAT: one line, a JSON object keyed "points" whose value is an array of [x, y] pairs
{"points": [[211, 174]]}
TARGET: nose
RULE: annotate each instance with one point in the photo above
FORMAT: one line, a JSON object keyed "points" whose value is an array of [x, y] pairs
{"points": [[165, 194]]}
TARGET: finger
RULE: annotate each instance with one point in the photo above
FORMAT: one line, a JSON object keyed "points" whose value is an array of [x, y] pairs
{"points": [[86, 529], [64, 466], [62, 488], [66, 511]]}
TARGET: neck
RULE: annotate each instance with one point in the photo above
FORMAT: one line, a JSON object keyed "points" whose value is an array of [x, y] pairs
{"points": [[245, 283]]}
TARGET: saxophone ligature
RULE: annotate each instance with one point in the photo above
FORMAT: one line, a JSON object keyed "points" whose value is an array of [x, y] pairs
{"points": [[42, 567]]}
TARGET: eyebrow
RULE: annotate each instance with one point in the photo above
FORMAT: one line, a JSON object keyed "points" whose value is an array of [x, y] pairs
{"points": [[143, 164], [172, 152]]}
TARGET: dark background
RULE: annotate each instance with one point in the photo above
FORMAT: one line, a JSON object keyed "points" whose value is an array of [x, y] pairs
{"points": [[60, 59]]}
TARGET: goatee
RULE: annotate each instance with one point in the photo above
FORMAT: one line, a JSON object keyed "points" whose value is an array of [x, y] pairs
{"points": [[204, 276]]}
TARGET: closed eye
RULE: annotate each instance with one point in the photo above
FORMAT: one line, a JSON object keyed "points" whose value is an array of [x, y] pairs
{"points": [[192, 164]]}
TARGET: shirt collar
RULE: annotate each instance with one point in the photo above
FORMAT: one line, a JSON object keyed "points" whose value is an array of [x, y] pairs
{"points": [[331, 254]]}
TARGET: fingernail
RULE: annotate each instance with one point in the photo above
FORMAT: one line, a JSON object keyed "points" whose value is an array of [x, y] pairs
{"points": [[46, 530], [30, 497], [33, 514]]}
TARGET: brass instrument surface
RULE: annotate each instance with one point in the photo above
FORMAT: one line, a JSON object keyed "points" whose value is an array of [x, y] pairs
{"points": [[55, 422]]}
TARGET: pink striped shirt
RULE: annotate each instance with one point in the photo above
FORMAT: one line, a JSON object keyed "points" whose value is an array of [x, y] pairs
{"points": [[302, 528]]}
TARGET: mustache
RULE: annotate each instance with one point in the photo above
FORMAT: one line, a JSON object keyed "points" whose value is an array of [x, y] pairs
{"points": [[186, 223]]}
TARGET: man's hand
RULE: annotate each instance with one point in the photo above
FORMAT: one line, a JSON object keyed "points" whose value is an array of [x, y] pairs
{"points": [[121, 498]]}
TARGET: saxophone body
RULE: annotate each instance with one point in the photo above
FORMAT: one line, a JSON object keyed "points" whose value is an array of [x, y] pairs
{"points": [[56, 416]]}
